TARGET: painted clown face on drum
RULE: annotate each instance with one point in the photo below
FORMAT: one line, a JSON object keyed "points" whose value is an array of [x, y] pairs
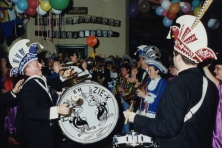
{"points": [[218, 72], [74, 58], [33, 68], [153, 73]]}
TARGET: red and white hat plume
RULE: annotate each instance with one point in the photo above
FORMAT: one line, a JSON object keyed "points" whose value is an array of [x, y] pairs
{"points": [[191, 42]]}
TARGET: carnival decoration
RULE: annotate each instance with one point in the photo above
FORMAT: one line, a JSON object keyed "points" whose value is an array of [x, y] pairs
{"points": [[20, 55], [191, 38], [168, 9], [91, 41]]}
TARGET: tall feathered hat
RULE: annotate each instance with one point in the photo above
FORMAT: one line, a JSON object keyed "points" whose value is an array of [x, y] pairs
{"points": [[21, 54], [158, 65], [148, 52], [191, 38]]}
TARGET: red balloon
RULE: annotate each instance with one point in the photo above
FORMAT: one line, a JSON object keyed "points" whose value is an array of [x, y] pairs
{"points": [[171, 16], [91, 41], [33, 4], [30, 11], [164, 13]]}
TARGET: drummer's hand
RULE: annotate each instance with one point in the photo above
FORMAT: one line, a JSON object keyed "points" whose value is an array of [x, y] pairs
{"points": [[130, 115], [64, 110], [68, 73]]}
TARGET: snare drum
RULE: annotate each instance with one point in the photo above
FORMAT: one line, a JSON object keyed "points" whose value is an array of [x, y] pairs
{"points": [[132, 139], [94, 118]]}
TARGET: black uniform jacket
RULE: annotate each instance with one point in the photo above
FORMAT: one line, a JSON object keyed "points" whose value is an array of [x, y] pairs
{"points": [[180, 95], [34, 113]]}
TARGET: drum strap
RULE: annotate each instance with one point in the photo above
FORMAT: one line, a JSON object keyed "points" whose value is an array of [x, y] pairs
{"points": [[45, 86], [197, 106]]}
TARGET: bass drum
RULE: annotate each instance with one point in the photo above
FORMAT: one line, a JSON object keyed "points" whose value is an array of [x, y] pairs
{"points": [[93, 116]]}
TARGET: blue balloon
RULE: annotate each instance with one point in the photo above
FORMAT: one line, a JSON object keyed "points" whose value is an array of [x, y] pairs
{"points": [[132, 9], [167, 22], [195, 3], [22, 5], [159, 11], [192, 8]]}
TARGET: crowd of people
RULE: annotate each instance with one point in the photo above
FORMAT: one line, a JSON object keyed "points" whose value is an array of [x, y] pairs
{"points": [[180, 109]]}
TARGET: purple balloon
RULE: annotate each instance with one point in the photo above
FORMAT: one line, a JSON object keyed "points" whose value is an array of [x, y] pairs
{"points": [[186, 8], [161, 1], [132, 9]]}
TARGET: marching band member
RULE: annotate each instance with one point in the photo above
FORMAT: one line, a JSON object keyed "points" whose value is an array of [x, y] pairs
{"points": [[154, 88], [35, 108], [187, 110], [79, 66]]}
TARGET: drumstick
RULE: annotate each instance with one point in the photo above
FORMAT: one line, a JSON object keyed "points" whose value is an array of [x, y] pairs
{"points": [[131, 106], [140, 105]]}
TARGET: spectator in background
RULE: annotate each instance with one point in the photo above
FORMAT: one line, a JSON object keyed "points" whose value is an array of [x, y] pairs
{"points": [[217, 80], [172, 70], [8, 114]]}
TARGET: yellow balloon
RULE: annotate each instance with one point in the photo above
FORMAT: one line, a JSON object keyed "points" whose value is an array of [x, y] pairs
{"points": [[196, 11], [45, 6]]}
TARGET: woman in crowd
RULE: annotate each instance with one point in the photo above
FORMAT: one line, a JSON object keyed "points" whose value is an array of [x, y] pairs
{"points": [[122, 89], [152, 90], [8, 114]]}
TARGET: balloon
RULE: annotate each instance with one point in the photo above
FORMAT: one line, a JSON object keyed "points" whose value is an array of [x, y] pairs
{"points": [[165, 4], [182, 4], [167, 22], [91, 41], [161, 1], [22, 5], [196, 11], [56, 11], [213, 24], [159, 11], [18, 10], [144, 6], [164, 13], [33, 3], [171, 16], [40, 11], [30, 11], [195, 3], [14, 1], [45, 6], [174, 8], [132, 9], [175, 1], [186, 8], [59, 4]]}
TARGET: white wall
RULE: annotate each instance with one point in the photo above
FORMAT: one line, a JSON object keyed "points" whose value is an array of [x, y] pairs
{"points": [[115, 9]]}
